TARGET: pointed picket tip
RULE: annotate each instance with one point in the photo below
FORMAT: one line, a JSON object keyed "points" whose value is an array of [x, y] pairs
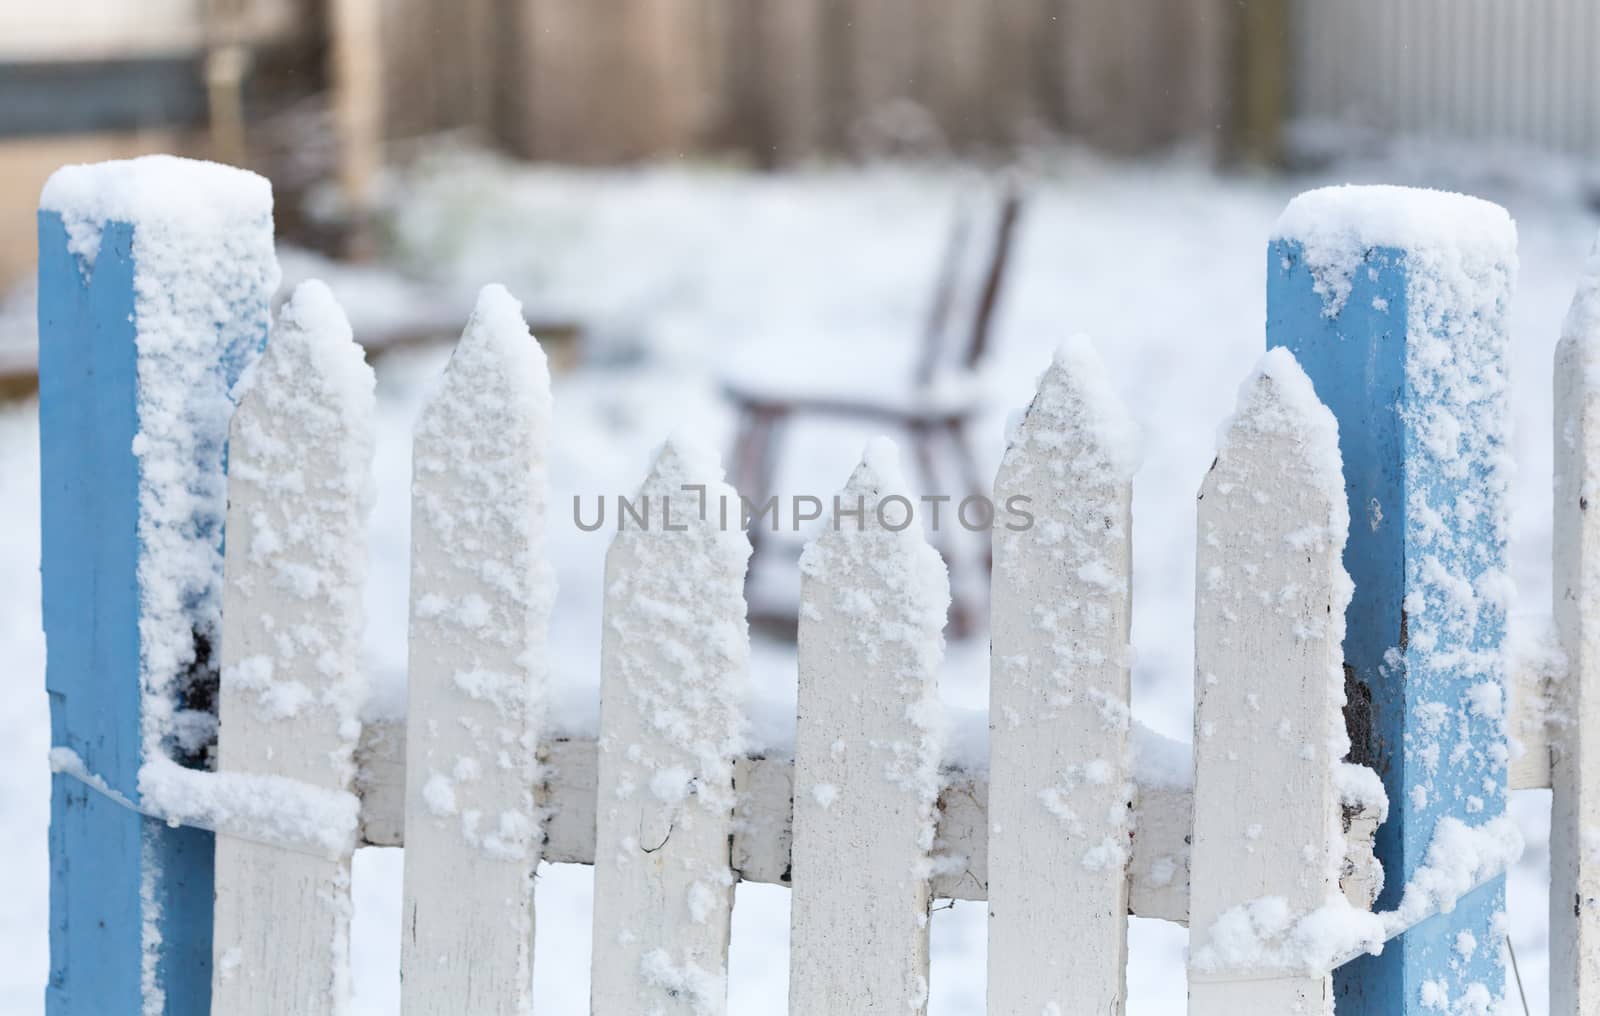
{"points": [[878, 475], [883, 546], [312, 310], [311, 386], [498, 357], [1278, 401], [1077, 418], [313, 351], [690, 477], [1580, 332], [679, 462]]}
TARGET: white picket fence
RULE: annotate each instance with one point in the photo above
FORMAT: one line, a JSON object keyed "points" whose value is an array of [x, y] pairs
{"points": [[1065, 834]]}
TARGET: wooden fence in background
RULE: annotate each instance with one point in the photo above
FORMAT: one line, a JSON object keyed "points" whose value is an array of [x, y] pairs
{"points": [[784, 79]]}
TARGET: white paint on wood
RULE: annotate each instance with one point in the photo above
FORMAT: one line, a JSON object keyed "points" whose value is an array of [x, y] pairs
{"points": [[1575, 699], [1159, 869], [675, 657], [1061, 786], [763, 819], [873, 603], [1271, 593], [300, 457], [481, 593]]}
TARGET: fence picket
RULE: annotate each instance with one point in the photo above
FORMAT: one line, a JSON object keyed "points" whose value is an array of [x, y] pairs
{"points": [[873, 602], [300, 455], [1269, 732], [1575, 768], [674, 661], [481, 594], [1061, 790]]}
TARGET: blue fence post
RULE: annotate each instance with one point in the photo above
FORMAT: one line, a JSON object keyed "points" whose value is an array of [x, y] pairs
{"points": [[1395, 302], [140, 264]]}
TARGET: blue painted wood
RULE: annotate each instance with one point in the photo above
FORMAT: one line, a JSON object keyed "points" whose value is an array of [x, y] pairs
{"points": [[1357, 362], [104, 856]]}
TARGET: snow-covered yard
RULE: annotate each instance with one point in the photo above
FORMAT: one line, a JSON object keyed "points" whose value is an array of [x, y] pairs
{"points": [[684, 271]]}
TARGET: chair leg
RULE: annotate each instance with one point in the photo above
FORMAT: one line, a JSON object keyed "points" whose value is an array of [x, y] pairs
{"points": [[743, 468], [764, 465], [925, 450], [957, 433]]}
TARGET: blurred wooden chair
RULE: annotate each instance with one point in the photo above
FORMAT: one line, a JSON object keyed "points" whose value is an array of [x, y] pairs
{"points": [[933, 407]]}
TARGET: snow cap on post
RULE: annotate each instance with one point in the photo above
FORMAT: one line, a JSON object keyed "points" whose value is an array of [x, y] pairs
{"points": [[169, 199], [675, 660], [1396, 301], [1448, 236]]}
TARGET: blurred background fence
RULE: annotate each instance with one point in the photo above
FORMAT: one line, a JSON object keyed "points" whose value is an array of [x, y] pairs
{"points": [[1522, 74], [320, 94], [779, 80]]}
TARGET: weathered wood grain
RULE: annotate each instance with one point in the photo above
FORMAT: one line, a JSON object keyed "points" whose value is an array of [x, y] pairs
{"points": [[300, 454], [1061, 797], [872, 608], [1270, 597], [675, 655], [1575, 700], [481, 593]]}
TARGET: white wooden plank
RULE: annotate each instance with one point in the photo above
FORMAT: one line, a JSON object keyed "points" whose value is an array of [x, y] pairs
{"points": [[675, 660], [300, 452], [1061, 786], [1271, 593], [481, 593], [763, 829], [873, 604], [1537, 667], [1575, 700]]}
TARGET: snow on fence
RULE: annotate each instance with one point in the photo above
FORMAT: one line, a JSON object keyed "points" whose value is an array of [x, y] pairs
{"points": [[1274, 849]]}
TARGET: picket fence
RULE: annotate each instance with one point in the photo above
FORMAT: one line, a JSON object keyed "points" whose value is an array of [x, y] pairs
{"points": [[1065, 833]]}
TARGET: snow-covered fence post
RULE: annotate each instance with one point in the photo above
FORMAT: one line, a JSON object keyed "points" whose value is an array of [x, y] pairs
{"points": [[1060, 787], [1575, 769], [1395, 302], [1270, 596], [154, 282], [873, 596], [481, 593], [674, 662], [300, 463]]}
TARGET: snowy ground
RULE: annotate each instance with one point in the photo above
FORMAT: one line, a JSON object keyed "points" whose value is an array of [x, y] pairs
{"points": [[687, 269]]}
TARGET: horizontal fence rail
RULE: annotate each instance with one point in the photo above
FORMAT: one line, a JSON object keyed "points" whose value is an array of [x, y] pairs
{"points": [[764, 803]]}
